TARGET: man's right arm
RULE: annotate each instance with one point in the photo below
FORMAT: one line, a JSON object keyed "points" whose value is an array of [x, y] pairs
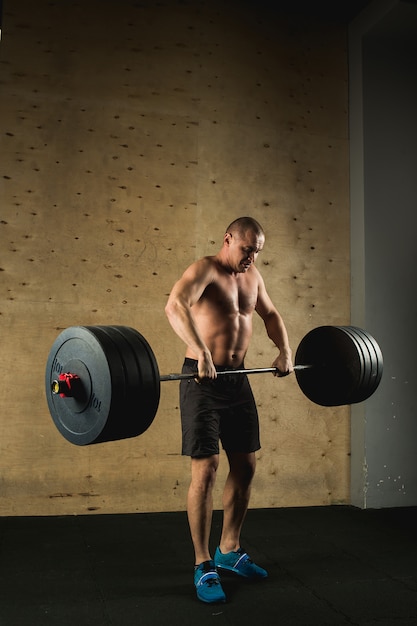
{"points": [[185, 293]]}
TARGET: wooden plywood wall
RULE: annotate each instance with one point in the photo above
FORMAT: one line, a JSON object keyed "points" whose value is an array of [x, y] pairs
{"points": [[132, 134]]}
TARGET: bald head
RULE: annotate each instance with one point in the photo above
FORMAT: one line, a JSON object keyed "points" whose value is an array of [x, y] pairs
{"points": [[241, 225]]}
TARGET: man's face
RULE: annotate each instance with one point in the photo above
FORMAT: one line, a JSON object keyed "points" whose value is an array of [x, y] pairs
{"points": [[244, 249]]}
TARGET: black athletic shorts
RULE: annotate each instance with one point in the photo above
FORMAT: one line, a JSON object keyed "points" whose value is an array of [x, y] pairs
{"points": [[223, 409]]}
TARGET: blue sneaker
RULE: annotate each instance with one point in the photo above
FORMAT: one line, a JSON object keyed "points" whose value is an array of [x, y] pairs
{"points": [[239, 563], [207, 583]]}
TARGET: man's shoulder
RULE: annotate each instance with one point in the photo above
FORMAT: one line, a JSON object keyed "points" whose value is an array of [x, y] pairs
{"points": [[205, 264], [201, 268]]}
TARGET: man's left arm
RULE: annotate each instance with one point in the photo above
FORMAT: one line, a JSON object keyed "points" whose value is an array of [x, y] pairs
{"points": [[276, 330]]}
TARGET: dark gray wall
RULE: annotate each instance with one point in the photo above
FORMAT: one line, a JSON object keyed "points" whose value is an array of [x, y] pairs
{"points": [[384, 257]]}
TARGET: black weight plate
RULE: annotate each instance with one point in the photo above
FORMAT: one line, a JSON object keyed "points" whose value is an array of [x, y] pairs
{"points": [[377, 363], [365, 389], [82, 421], [127, 357], [337, 366], [148, 394], [366, 357], [379, 360], [143, 388], [117, 424]]}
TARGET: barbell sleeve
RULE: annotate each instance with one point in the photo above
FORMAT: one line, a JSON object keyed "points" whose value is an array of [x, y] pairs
{"points": [[259, 370]]}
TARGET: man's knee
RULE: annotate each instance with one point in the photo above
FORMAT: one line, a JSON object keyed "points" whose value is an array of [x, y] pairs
{"points": [[242, 465], [203, 470]]}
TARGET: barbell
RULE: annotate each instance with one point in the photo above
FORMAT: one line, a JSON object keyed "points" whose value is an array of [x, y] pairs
{"points": [[103, 383]]}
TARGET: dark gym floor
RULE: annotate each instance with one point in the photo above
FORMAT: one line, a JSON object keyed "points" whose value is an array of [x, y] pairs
{"points": [[330, 565]]}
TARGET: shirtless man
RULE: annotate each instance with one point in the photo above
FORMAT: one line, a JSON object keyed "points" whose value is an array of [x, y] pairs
{"points": [[211, 309]]}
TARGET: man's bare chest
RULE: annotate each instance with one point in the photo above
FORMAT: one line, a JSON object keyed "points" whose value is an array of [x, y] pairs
{"points": [[231, 297]]}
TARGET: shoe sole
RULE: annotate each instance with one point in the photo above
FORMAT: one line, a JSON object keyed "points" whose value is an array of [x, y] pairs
{"points": [[225, 568]]}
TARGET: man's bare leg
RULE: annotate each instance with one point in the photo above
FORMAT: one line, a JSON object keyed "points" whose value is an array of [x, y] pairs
{"points": [[236, 497], [200, 504]]}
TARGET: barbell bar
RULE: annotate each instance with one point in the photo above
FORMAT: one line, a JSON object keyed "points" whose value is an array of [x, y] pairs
{"points": [[103, 383], [236, 372]]}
